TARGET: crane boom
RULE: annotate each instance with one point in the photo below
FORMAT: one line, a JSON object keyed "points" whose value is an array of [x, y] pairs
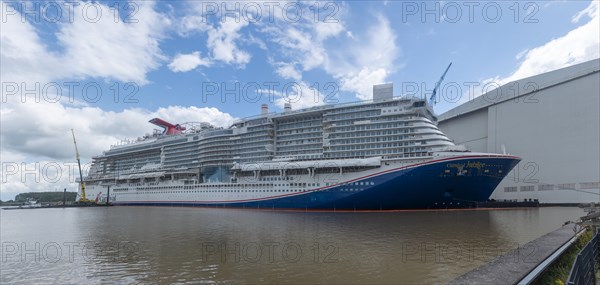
{"points": [[437, 86], [81, 184]]}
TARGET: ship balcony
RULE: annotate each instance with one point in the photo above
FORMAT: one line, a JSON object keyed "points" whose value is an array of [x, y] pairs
{"points": [[259, 127], [221, 154], [380, 126], [379, 151], [300, 134], [318, 148], [216, 142], [386, 139], [253, 143], [299, 141], [180, 146], [350, 118], [319, 126], [249, 152], [307, 121], [255, 158], [182, 160], [264, 136], [404, 129], [411, 120], [216, 149], [351, 111], [249, 148], [298, 146], [216, 162], [181, 152], [302, 154]]}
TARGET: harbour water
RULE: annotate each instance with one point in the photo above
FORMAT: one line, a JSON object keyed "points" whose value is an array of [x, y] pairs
{"points": [[161, 245]]}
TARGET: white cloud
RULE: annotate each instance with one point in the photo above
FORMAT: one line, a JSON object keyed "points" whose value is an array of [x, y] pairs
{"points": [[97, 129], [44, 143], [591, 11], [521, 54], [302, 43], [105, 49], [288, 71], [23, 56], [102, 49], [297, 43], [579, 45], [224, 36], [222, 42], [355, 61], [367, 62], [187, 62], [191, 24], [251, 39], [38, 176], [121, 51], [182, 114], [325, 30], [362, 82], [300, 95]]}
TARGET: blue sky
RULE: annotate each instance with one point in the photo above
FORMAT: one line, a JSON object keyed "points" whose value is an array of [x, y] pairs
{"points": [[169, 53]]}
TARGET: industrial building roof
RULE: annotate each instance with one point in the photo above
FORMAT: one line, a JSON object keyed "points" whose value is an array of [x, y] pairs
{"points": [[524, 87]]}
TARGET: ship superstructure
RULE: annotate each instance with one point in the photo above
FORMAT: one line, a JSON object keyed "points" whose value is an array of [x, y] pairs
{"points": [[386, 153]]}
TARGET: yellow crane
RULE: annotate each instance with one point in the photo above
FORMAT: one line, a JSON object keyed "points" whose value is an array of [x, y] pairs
{"points": [[83, 198]]}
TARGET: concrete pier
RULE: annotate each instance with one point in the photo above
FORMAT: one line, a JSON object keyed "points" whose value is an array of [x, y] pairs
{"points": [[515, 266]]}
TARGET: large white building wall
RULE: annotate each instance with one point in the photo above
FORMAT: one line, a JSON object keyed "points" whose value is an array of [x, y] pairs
{"points": [[555, 130], [471, 130]]}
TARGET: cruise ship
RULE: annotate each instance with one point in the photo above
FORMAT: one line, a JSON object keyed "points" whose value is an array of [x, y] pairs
{"points": [[385, 153]]}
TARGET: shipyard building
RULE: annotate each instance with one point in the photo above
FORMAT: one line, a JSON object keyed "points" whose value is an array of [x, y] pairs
{"points": [[551, 120]]}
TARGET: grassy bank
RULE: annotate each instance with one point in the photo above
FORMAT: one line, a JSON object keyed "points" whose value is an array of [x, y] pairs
{"points": [[558, 272]]}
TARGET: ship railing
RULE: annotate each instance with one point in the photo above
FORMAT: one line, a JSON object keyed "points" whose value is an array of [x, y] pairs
{"points": [[366, 162], [325, 107]]}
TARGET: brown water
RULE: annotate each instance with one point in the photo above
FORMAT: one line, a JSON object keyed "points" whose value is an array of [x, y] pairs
{"points": [[154, 245]]}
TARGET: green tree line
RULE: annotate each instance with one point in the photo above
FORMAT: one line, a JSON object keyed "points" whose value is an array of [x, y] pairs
{"points": [[45, 196]]}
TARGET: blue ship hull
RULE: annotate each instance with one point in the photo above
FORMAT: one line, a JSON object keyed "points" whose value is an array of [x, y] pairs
{"points": [[444, 183]]}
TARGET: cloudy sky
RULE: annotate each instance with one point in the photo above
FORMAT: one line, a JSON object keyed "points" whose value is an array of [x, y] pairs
{"points": [[105, 69]]}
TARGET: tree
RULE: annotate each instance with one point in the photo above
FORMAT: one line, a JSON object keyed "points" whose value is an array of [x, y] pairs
{"points": [[45, 196]]}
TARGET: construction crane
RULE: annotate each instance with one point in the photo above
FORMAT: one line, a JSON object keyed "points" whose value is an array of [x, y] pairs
{"points": [[437, 86], [83, 198]]}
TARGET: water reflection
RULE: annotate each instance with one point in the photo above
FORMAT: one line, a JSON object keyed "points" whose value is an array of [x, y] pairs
{"points": [[178, 245]]}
